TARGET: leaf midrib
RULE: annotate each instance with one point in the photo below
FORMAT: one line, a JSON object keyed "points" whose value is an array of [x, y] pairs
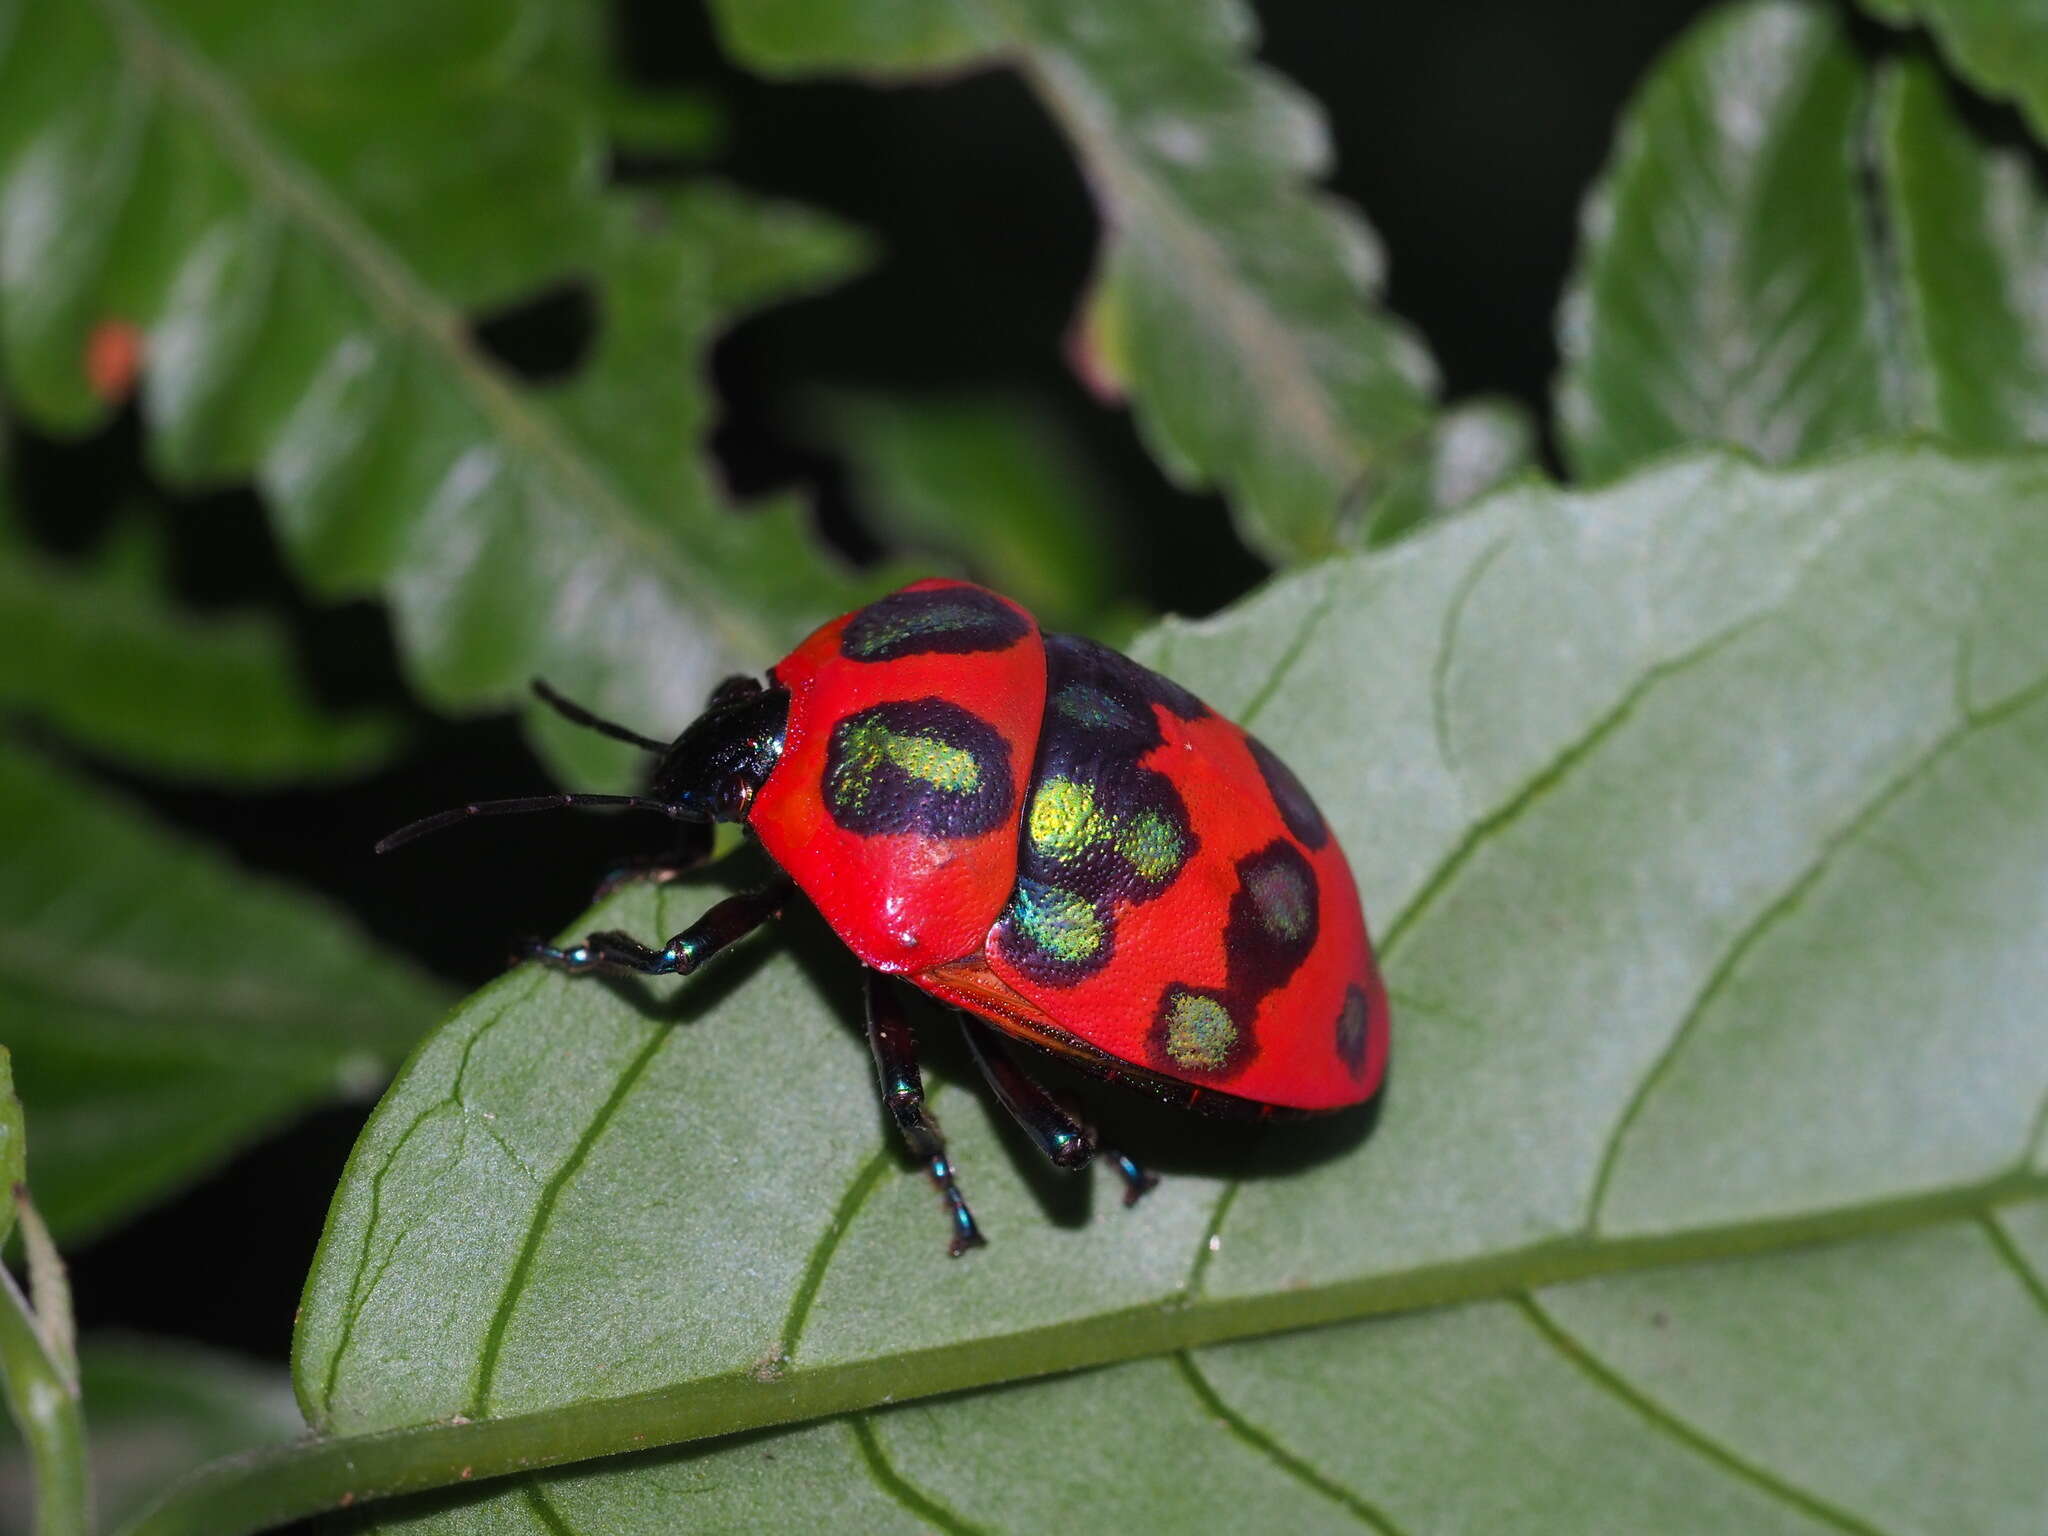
{"points": [[248, 1493], [408, 304]]}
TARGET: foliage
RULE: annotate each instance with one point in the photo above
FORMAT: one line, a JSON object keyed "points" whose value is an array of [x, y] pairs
{"points": [[1788, 256], [1697, 803]]}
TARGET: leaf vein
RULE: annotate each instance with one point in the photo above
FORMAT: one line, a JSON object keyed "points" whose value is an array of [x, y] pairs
{"points": [[2030, 1279], [1551, 775], [543, 1212], [900, 1488], [1296, 1467], [1663, 1420], [1296, 649], [1778, 910], [544, 1509], [841, 1222], [1454, 618]]}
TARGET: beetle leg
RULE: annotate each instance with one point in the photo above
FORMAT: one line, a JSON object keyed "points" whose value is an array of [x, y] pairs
{"points": [[895, 1049], [692, 848], [729, 920], [1067, 1140]]}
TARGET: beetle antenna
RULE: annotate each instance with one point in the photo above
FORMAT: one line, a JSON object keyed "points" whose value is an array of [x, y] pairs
{"points": [[461, 813], [571, 711]]}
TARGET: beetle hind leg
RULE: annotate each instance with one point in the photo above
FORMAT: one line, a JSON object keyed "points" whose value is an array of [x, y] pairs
{"points": [[895, 1052], [1067, 1140]]}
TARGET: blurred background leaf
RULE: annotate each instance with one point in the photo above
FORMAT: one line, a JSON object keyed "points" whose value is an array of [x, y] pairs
{"points": [[1237, 307], [296, 256], [1785, 258], [164, 1008], [2000, 48], [988, 485], [159, 1408], [104, 660]]}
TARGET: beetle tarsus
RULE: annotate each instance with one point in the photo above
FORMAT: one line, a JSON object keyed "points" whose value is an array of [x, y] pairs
{"points": [[620, 953], [1055, 1128], [895, 1052]]}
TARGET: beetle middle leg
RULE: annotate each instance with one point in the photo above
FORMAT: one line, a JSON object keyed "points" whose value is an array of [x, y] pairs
{"points": [[895, 1051], [620, 953], [1067, 1140]]}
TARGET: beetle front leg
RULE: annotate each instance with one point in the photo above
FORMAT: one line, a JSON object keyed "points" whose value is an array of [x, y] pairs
{"points": [[1067, 1140], [727, 922], [895, 1050]]}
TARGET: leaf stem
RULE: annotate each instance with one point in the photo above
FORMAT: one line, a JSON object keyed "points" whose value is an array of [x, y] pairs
{"points": [[44, 1401]]}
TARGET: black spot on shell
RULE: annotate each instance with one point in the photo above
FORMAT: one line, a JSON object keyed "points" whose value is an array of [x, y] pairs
{"points": [[1354, 1021], [947, 620], [1272, 925], [917, 765], [1274, 917], [1297, 809]]}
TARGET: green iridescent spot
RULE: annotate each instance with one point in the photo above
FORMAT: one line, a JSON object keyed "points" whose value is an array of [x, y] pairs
{"points": [[870, 743], [1062, 823], [1059, 922], [954, 621], [1282, 899], [916, 624], [1151, 845], [1199, 1031], [1095, 708]]}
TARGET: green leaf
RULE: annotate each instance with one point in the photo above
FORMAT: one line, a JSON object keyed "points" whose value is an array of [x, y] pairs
{"points": [[2001, 48], [1972, 237], [299, 246], [116, 668], [1887, 1384], [164, 1009], [991, 484], [1703, 823], [159, 1409], [13, 1146], [42, 1397], [1236, 305], [1727, 290], [1740, 282], [1471, 449]]}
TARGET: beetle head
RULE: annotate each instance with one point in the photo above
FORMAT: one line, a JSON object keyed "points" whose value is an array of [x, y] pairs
{"points": [[712, 770]]}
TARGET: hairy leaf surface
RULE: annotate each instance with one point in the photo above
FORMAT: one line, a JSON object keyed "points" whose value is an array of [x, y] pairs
{"points": [[162, 1008], [1702, 824]]}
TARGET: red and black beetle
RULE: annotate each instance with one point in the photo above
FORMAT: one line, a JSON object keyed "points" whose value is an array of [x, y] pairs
{"points": [[1039, 831]]}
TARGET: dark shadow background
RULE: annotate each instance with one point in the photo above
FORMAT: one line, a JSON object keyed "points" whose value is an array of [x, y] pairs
{"points": [[1468, 133]]}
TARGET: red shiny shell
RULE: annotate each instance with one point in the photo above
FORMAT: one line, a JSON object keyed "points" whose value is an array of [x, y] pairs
{"points": [[905, 878], [1040, 830]]}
